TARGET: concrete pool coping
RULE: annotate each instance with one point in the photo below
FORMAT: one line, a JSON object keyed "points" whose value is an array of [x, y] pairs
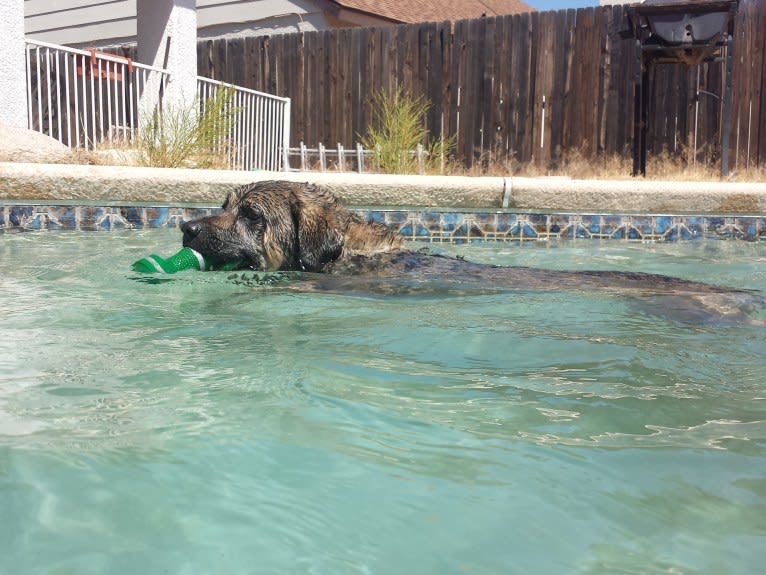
{"points": [[69, 183]]}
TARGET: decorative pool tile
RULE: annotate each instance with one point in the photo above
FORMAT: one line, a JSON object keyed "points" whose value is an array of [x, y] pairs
{"points": [[523, 230], [429, 225], [609, 223], [662, 224]]}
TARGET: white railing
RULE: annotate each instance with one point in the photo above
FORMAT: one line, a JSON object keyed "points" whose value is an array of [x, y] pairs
{"points": [[260, 135], [84, 98], [91, 99], [341, 159]]}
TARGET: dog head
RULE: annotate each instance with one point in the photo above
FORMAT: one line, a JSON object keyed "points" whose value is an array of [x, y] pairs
{"points": [[275, 225]]}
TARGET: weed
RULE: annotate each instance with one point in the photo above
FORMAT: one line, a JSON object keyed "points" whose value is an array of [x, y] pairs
{"points": [[196, 136], [400, 138]]}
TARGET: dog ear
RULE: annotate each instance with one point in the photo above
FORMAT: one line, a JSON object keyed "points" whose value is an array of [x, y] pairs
{"points": [[320, 239]]}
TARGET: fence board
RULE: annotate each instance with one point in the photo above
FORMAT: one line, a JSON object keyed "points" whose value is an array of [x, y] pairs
{"points": [[327, 99], [360, 77], [602, 28], [519, 89], [485, 80], [546, 69], [563, 55], [312, 87], [758, 48], [430, 45], [618, 114], [459, 71]]}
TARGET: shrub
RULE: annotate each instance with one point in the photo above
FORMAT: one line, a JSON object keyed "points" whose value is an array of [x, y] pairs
{"points": [[195, 136], [398, 130]]}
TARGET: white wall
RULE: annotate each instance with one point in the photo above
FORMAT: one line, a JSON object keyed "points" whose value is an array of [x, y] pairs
{"points": [[167, 39], [83, 23], [13, 95]]}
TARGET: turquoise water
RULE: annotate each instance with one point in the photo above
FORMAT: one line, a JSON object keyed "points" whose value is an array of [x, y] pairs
{"points": [[198, 425]]}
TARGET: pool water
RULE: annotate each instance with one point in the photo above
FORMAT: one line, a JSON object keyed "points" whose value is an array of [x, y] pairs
{"points": [[203, 425]]}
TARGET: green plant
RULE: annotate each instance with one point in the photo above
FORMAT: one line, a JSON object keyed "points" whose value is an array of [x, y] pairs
{"points": [[196, 136], [399, 136]]}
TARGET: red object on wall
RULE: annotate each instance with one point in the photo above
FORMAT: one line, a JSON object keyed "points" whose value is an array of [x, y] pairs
{"points": [[107, 70]]}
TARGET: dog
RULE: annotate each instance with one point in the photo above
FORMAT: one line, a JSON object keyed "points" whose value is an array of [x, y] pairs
{"points": [[285, 226], [299, 227]]}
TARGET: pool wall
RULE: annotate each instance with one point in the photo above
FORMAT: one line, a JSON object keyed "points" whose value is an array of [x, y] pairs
{"points": [[431, 225], [428, 208]]}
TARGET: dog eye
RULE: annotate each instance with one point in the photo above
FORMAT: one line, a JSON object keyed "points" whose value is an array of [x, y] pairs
{"points": [[251, 212]]}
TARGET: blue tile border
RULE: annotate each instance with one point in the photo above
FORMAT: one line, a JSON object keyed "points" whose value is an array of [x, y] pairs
{"points": [[466, 227], [429, 225]]}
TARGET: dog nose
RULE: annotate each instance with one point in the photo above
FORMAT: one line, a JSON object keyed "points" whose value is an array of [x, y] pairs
{"points": [[191, 228]]}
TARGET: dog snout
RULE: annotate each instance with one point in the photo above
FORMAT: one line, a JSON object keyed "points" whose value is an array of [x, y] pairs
{"points": [[191, 229]]}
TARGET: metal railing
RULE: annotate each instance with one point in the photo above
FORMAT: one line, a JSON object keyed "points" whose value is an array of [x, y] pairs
{"points": [[260, 134], [84, 98], [90, 99], [341, 159]]}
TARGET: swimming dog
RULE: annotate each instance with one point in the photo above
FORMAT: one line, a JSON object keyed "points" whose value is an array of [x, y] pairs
{"points": [[300, 227]]}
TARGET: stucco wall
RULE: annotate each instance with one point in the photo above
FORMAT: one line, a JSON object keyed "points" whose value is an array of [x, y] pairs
{"points": [[167, 39], [13, 102]]}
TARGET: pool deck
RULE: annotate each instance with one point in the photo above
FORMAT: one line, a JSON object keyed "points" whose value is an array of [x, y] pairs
{"points": [[494, 207], [57, 183]]}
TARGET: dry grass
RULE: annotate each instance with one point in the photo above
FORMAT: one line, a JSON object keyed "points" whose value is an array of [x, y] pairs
{"points": [[576, 165], [131, 155], [111, 154]]}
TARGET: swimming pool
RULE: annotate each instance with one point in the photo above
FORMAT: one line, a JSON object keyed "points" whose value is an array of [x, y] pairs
{"points": [[201, 425]]}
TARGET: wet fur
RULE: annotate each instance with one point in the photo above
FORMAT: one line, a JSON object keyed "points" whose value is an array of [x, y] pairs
{"points": [[286, 226], [280, 226]]}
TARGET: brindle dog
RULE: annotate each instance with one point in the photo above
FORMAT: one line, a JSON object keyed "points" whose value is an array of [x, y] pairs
{"points": [[286, 226]]}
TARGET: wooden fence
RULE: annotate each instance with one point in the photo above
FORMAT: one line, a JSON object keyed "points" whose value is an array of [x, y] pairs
{"points": [[528, 88]]}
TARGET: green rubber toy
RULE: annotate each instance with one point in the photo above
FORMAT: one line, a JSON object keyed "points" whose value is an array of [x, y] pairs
{"points": [[185, 259]]}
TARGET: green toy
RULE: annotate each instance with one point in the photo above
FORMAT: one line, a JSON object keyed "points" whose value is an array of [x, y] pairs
{"points": [[185, 259]]}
